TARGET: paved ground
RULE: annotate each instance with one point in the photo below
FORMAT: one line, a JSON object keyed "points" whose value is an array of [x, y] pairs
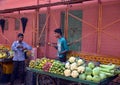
{"points": [[17, 82]]}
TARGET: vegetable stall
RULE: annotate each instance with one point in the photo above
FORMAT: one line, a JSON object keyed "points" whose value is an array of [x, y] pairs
{"points": [[6, 65], [76, 71]]}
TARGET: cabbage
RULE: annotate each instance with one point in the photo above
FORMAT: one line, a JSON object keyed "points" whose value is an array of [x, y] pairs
{"points": [[102, 76], [88, 70], [82, 76], [91, 65], [96, 78], [89, 77], [96, 71]]}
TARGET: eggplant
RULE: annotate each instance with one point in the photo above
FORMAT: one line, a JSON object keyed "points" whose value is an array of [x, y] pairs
{"points": [[2, 23], [24, 21]]}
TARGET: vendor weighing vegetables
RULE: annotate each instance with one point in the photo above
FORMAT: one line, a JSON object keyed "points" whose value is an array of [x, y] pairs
{"points": [[61, 45]]}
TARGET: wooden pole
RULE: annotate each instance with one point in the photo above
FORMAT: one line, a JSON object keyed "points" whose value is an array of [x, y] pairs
{"points": [[108, 25], [77, 18], [33, 31], [37, 27], [111, 36], [45, 26], [5, 38], [53, 17], [66, 23], [82, 38], [99, 26], [47, 29]]}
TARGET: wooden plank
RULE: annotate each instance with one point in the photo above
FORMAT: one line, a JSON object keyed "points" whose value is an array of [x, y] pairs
{"points": [[40, 6]]}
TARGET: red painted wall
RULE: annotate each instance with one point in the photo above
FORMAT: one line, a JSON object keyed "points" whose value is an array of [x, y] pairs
{"points": [[108, 45]]}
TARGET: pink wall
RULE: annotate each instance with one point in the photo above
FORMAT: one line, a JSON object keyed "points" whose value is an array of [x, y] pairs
{"points": [[108, 45]]}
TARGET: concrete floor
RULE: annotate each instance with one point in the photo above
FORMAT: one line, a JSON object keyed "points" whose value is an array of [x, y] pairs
{"points": [[17, 82]]}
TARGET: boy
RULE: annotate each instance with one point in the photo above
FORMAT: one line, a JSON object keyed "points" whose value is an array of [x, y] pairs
{"points": [[61, 45]]}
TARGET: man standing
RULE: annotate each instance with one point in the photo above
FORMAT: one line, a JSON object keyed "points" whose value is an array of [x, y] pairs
{"points": [[61, 45], [19, 59]]}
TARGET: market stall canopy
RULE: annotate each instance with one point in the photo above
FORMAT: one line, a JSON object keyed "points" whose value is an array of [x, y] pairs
{"points": [[32, 5]]}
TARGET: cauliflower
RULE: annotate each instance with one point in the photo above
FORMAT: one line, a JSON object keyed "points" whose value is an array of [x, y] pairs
{"points": [[80, 62], [73, 66], [72, 59], [67, 72], [67, 65], [74, 74], [81, 69]]}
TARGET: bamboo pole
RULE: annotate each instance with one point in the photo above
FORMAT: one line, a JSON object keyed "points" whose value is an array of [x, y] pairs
{"points": [[82, 38], [77, 18], [33, 31], [99, 26], [47, 29], [66, 23], [37, 27], [44, 27], [53, 17], [5, 38], [112, 36], [108, 25]]}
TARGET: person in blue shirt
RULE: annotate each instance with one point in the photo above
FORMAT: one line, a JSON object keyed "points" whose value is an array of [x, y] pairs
{"points": [[61, 45], [19, 47]]}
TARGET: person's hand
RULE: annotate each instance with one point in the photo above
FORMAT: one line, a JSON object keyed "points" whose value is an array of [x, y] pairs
{"points": [[20, 46], [24, 49], [49, 43], [52, 44]]}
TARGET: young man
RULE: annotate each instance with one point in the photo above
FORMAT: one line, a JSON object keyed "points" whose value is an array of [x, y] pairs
{"points": [[19, 59], [61, 45]]}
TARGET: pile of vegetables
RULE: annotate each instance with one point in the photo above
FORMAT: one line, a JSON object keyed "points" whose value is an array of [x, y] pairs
{"points": [[74, 66], [48, 65], [97, 73], [5, 52], [32, 64], [42, 64], [57, 67]]}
